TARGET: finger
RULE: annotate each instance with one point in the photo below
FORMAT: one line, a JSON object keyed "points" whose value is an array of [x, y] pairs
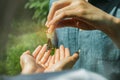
{"points": [[67, 8], [26, 52], [55, 6], [75, 22], [67, 52], [52, 61], [57, 13], [47, 63], [75, 56], [60, 11], [41, 53], [67, 22], [57, 55], [58, 18], [62, 52], [36, 51], [61, 15], [41, 64], [23, 57], [45, 57], [51, 29]]}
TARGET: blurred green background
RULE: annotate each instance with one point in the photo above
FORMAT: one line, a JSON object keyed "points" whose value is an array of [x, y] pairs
{"points": [[21, 28]]}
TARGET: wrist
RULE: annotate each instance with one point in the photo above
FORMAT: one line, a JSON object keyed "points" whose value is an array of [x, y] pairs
{"points": [[112, 25], [114, 30], [117, 22], [115, 26]]}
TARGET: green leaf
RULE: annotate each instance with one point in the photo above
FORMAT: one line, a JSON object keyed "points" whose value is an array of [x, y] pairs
{"points": [[44, 4], [36, 14], [40, 8], [27, 5], [32, 5]]}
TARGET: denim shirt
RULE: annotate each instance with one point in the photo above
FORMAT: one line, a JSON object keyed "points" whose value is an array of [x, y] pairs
{"points": [[98, 53]]}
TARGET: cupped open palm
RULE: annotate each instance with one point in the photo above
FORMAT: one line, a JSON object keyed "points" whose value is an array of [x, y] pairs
{"points": [[41, 60]]}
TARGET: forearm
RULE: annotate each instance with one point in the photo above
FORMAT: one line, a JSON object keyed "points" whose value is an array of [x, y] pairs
{"points": [[113, 31]]}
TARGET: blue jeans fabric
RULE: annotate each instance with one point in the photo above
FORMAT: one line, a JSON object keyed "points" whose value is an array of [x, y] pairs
{"points": [[98, 52]]}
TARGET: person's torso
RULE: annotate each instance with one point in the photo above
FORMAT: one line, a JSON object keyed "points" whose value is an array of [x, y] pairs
{"points": [[98, 52]]}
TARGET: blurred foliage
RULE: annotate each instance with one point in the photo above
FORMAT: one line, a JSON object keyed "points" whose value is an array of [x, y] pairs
{"points": [[26, 35], [40, 8], [2, 67]]}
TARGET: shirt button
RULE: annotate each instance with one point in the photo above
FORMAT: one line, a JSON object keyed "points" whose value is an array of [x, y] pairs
{"points": [[80, 29], [79, 50]]}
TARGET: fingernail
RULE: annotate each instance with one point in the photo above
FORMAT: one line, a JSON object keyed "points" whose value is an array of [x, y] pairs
{"points": [[47, 26], [49, 31], [39, 46], [28, 52], [77, 52], [45, 44], [46, 23], [61, 46]]}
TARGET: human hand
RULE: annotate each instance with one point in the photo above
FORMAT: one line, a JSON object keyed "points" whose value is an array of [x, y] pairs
{"points": [[41, 61], [29, 63], [62, 60], [83, 15]]}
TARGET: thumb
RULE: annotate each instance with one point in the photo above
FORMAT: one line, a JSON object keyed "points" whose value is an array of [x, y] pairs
{"points": [[24, 58], [75, 56]]}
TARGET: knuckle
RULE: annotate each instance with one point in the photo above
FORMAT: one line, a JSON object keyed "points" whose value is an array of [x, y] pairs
{"points": [[63, 13], [58, 12], [45, 57], [48, 17], [82, 11], [37, 59], [21, 57], [81, 2], [71, 58], [55, 3]]}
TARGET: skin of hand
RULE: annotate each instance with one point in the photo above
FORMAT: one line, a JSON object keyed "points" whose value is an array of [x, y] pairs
{"points": [[41, 61], [83, 15]]}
